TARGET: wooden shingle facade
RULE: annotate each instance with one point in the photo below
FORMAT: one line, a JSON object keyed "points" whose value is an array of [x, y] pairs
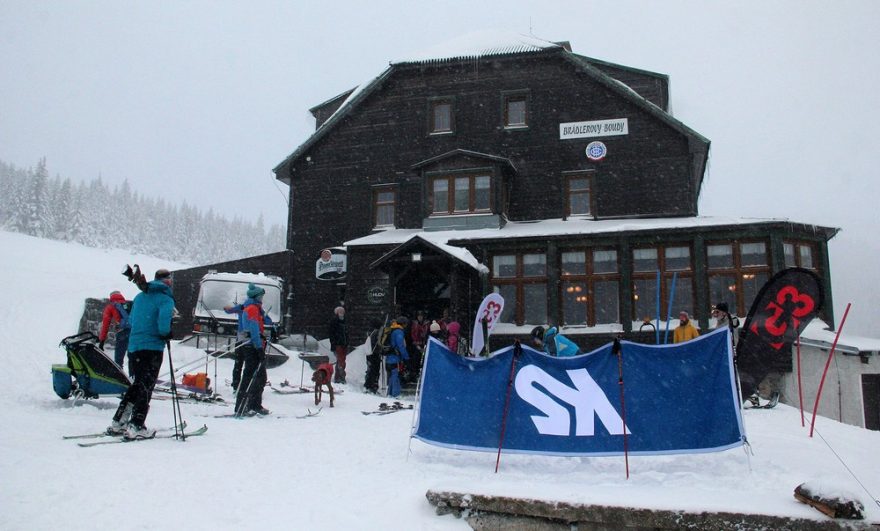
{"points": [[560, 181]]}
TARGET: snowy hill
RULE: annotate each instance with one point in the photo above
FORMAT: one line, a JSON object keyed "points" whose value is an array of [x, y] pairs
{"points": [[338, 470]]}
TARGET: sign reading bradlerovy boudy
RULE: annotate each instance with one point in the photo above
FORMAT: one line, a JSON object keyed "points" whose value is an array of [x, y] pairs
{"points": [[332, 264], [613, 127]]}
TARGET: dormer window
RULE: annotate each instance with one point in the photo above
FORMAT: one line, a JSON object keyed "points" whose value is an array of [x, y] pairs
{"points": [[441, 118], [461, 194]]}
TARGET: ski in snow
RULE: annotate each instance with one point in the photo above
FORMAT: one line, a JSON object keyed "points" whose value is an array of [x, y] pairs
{"points": [[310, 413], [385, 409], [195, 433], [180, 426]]}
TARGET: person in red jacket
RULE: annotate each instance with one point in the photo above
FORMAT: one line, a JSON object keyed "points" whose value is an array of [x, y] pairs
{"points": [[116, 314]]}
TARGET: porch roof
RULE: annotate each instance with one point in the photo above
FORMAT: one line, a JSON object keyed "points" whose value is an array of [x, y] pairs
{"points": [[421, 239]]}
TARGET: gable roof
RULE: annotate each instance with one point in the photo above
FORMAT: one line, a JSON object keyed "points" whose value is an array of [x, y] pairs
{"points": [[493, 47], [465, 153]]}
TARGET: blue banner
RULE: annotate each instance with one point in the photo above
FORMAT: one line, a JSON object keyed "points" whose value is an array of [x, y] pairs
{"points": [[678, 398]]}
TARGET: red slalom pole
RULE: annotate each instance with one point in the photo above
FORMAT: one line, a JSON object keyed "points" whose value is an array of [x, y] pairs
{"points": [[517, 350], [615, 349], [800, 382], [827, 364]]}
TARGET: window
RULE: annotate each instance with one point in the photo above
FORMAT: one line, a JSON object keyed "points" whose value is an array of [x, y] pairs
{"points": [[800, 255], [515, 110], [461, 194], [579, 195], [384, 203], [521, 278], [676, 281], [590, 287], [736, 272], [440, 116]]}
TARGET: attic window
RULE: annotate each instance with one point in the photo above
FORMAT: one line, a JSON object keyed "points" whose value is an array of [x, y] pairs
{"points": [[441, 117], [515, 110]]}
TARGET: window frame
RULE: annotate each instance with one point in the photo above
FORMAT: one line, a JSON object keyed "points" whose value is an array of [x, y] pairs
{"points": [[738, 271], [666, 275], [376, 204], [519, 281], [797, 247], [589, 278], [510, 96], [451, 179], [591, 195], [435, 102]]}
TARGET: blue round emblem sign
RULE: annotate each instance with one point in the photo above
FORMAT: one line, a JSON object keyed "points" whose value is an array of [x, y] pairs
{"points": [[596, 150]]}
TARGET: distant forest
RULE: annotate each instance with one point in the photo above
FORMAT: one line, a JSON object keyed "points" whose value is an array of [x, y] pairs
{"points": [[95, 215]]}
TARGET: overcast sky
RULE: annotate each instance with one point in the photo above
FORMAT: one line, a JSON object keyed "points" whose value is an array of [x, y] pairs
{"points": [[199, 100]]}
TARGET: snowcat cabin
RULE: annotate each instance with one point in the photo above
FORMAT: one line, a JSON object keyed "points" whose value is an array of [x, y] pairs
{"points": [[218, 290]]}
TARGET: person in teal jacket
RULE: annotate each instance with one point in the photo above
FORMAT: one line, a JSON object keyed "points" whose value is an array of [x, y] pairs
{"points": [[150, 319], [554, 343]]}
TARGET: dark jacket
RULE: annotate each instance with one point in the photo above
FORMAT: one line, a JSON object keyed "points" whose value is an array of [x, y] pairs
{"points": [[337, 333]]}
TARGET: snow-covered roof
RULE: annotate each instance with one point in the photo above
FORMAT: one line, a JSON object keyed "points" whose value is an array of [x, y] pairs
{"points": [[254, 278], [439, 242], [818, 333], [559, 227], [477, 44]]}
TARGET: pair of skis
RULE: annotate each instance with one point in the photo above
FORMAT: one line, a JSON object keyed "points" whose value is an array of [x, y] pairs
{"points": [[164, 433], [774, 399], [385, 409]]}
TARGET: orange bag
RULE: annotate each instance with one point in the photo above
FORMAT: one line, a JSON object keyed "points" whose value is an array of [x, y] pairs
{"points": [[199, 380]]}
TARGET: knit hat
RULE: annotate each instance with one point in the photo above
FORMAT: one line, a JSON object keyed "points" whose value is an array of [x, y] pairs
{"points": [[722, 307], [435, 326], [537, 332], [162, 274], [255, 292]]}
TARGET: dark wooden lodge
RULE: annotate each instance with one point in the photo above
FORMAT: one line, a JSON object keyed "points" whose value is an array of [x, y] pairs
{"points": [[558, 180]]}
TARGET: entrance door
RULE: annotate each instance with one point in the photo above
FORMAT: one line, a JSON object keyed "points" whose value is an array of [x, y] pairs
{"points": [[871, 399], [423, 287]]}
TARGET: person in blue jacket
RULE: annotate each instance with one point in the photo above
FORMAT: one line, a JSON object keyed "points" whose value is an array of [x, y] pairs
{"points": [[397, 355], [554, 343], [150, 319], [252, 323], [244, 328]]}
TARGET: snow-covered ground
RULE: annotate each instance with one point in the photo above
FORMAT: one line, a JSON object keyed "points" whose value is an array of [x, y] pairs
{"points": [[338, 470]]}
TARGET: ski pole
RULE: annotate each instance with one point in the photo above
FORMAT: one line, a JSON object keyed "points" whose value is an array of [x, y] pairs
{"points": [[517, 350], [239, 411], [616, 349], [175, 403]]}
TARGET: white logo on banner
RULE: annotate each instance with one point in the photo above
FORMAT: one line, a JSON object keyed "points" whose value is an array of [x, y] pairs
{"points": [[586, 397]]}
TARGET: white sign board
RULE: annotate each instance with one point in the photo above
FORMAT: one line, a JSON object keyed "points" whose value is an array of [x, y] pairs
{"points": [[332, 264], [614, 127]]}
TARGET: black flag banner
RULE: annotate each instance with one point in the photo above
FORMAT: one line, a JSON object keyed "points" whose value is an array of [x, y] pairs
{"points": [[783, 308]]}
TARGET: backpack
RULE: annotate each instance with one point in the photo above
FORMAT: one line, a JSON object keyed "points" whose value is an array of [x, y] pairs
{"points": [[124, 308], [384, 344]]}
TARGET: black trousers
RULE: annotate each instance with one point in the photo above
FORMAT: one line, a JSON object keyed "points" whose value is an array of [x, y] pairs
{"points": [[253, 379], [145, 365], [371, 380]]}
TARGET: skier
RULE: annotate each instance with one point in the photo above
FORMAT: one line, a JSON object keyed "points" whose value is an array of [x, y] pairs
{"points": [[117, 312], [252, 321], [151, 316], [374, 359], [397, 356], [554, 343]]}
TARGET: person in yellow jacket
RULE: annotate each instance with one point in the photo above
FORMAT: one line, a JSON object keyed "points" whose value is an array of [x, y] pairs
{"points": [[685, 331]]}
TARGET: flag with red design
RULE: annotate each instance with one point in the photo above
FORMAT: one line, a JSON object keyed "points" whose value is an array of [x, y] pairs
{"points": [[782, 309]]}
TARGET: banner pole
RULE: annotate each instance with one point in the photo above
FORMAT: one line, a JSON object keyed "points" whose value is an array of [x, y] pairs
{"points": [[657, 328], [800, 382], [616, 349], [517, 350], [827, 364], [669, 308]]}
